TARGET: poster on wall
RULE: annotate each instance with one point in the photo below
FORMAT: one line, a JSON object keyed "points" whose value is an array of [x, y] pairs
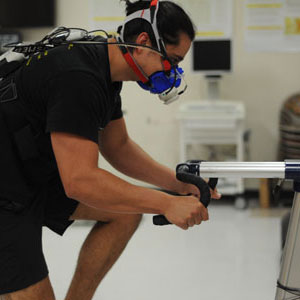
{"points": [[213, 18], [272, 25]]}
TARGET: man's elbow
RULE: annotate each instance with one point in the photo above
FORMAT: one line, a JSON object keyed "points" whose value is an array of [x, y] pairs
{"points": [[70, 188], [74, 187]]}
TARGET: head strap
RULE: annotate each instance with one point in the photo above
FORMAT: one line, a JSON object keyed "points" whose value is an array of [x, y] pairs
{"points": [[149, 15]]}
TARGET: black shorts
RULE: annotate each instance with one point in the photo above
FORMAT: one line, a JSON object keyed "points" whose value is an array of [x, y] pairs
{"points": [[22, 262]]}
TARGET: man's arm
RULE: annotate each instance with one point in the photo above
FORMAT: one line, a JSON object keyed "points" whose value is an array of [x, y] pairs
{"points": [[128, 158], [77, 160]]}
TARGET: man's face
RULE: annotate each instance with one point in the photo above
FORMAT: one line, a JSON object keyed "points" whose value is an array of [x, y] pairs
{"points": [[151, 62]]}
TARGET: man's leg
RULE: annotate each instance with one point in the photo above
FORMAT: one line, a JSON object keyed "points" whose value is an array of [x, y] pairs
{"points": [[100, 250], [41, 290]]}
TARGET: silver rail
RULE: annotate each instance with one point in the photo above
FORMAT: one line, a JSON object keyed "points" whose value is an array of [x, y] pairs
{"points": [[243, 169]]}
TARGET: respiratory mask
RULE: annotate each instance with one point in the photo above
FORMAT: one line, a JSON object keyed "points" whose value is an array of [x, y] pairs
{"points": [[166, 86]]}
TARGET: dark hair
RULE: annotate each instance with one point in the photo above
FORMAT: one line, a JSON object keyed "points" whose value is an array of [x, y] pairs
{"points": [[171, 21]]}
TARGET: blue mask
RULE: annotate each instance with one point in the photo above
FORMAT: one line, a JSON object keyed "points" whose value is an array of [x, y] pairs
{"points": [[161, 82]]}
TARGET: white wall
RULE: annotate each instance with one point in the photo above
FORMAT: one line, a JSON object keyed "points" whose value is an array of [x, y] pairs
{"points": [[262, 81]]}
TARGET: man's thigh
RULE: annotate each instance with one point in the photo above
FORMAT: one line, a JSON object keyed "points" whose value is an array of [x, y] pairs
{"points": [[84, 212], [41, 290]]}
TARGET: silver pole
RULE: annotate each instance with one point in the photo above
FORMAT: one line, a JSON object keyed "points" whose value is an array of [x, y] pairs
{"points": [[243, 169], [291, 252]]}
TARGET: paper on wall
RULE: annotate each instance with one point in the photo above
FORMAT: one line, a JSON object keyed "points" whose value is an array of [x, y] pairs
{"points": [[213, 18], [272, 25]]}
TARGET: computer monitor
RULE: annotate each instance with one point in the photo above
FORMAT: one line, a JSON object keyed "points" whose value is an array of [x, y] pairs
{"points": [[212, 57], [26, 13]]}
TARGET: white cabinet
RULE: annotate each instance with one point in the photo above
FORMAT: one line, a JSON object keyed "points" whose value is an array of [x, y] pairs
{"points": [[214, 124]]}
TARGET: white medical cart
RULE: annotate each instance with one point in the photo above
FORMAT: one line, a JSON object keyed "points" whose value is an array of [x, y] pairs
{"points": [[215, 122]]}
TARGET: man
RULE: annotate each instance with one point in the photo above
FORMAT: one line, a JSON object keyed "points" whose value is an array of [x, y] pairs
{"points": [[70, 96]]}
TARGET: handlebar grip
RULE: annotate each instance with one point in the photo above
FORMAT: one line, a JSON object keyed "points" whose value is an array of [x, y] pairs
{"points": [[160, 220], [213, 183], [201, 184]]}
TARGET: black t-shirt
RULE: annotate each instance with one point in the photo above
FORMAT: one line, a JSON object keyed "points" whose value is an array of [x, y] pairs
{"points": [[68, 89]]}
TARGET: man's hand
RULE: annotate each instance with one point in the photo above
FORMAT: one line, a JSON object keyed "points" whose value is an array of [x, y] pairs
{"points": [[186, 189], [186, 211]]}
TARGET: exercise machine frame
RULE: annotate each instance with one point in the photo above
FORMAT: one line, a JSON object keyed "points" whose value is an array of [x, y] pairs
{"points": [[194, 171]]}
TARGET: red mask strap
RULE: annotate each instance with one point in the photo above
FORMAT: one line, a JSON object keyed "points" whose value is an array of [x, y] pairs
{"points": [[167, 65], [131, 62], [135, 68], [153, 3]]}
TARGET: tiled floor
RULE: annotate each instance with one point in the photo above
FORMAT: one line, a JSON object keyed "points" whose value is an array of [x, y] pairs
{"points": [[234, 256]]}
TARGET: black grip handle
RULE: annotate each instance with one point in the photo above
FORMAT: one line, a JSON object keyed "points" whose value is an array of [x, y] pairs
{"points": [[161, 220], [202, 185]]}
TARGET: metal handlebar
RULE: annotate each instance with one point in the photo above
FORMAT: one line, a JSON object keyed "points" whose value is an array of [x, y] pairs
{"points": [[187, 175]]}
